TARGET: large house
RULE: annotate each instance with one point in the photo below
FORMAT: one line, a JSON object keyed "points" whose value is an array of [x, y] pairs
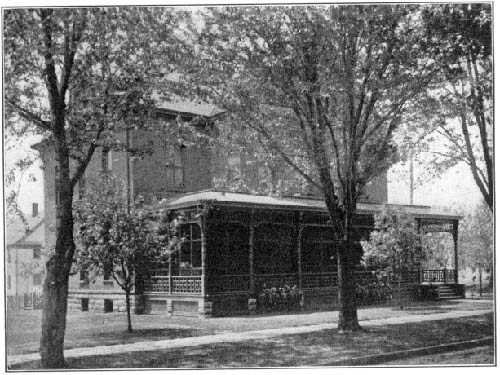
{"points": [[236, 244]]}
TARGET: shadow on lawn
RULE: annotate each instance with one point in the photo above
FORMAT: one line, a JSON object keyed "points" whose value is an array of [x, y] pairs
{"points": [[305, 349]]}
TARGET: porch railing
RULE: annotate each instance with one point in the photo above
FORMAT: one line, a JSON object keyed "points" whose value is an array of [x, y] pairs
{"points": [[173, 285], [439, 276], [161, 283]]}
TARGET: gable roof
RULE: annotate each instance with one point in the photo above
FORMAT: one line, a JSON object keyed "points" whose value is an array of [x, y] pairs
{"points": [[34, 237]]}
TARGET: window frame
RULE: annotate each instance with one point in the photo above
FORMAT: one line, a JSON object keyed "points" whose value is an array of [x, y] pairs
{"points": [[37, 253]]}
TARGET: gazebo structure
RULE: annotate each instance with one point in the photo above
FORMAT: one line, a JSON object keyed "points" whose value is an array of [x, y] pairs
{"points": [[236, 243]]}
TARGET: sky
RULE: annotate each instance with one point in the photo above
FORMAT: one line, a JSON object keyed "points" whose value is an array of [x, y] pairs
{"points": [[456, 186]]}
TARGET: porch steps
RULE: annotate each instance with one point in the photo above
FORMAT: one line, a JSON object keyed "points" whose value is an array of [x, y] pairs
{"points": [[449, 292]]}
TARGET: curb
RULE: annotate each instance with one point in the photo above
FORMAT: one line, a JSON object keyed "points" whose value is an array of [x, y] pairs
{"points": [[379, 359]]}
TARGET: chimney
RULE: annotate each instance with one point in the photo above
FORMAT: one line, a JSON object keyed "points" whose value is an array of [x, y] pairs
{"points": [[35, 209]]}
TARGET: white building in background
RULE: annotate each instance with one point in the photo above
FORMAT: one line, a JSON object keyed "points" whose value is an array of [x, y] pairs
{"points": [[24, 261]]}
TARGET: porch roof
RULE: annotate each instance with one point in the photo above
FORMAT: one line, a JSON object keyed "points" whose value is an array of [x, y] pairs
{"points": [[295, 203]]}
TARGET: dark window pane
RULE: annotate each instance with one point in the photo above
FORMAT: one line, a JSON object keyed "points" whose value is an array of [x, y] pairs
{"points": [[185, 231], [108, 270], [196, 231], [186, 253], [196, 254]]}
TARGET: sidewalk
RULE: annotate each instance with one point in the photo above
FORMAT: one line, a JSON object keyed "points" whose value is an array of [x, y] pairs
{"points": [[238, 336]]}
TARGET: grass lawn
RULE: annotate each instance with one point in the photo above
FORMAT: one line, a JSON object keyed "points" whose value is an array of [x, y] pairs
{"points": [[307, 349], [83, 329], [483, 355]]}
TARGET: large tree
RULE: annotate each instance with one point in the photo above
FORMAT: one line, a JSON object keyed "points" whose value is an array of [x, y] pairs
{"points": [[79, 77], [325, 88], [458, 110]]}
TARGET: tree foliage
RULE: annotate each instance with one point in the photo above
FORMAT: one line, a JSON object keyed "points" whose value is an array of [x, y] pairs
{"points": [[395, 243], [454, 122], [324, 88], [394, 246], [109, 235], [476, 240], [77, 77]]}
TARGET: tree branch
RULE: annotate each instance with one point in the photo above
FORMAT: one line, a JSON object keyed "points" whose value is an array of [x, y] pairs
{"points": [[30, 116], [50, 70]]}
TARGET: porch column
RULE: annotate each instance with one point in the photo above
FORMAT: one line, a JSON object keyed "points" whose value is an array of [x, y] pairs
{"points": [[299, 257], [170, 277], [455, 248], [203, 256], [250, 251], [299, 252], [420, 252]]}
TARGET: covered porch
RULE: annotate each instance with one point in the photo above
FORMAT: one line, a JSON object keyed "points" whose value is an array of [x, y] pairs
{"points": [[238, 244]]}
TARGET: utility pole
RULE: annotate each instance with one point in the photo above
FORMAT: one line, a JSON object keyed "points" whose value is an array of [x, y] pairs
{"points": [[412, 187]]}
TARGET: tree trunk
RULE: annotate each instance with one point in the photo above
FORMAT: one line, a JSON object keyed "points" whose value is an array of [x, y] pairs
{"points": [[55, 299], [55, 296], [55, 288], [348, 316], [127, 302], [480, 282]]}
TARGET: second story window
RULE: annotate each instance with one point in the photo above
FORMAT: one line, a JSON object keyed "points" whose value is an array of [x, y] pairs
{"points": [[83, 275], [106, 160], [108, 270], [81, 187], [37, 279], [175, 167], [36, 253]]}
